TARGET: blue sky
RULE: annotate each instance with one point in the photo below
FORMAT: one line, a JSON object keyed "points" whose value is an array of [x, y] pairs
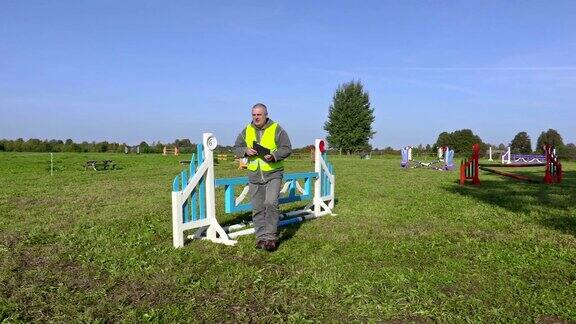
{"points": [[128, 71]]}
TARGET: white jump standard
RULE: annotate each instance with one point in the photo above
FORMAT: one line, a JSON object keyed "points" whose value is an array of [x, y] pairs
{"points": [[194, 196]]}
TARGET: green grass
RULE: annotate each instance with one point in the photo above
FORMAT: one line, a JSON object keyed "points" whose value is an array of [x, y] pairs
{"points": [[406, 246]]}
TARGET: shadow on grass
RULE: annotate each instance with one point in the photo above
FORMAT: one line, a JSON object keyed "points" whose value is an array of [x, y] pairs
{"points": [[563, 224], [285, 233], [554, 202]]}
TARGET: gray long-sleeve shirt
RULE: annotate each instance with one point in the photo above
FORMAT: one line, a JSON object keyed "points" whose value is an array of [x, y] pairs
{"points": [[284, 149]]}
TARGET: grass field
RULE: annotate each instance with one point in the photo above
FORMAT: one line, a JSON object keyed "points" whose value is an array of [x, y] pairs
{"points": [[406, 246]]}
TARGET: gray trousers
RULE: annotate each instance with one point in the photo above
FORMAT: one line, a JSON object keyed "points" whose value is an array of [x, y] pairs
{"points": [[265, 214]]}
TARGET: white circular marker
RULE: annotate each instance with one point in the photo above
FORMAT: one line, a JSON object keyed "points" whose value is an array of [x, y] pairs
{"points": [[211, 143]]}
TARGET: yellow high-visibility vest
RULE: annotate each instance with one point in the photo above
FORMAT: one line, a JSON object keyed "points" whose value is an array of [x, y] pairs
{"points": [[268, 140]]}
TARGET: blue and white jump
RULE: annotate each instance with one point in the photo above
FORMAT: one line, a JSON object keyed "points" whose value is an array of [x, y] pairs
{"points": [[194, 196]]}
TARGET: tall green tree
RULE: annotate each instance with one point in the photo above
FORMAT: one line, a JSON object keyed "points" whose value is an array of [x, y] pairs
{"points": [[350, 119], [521, 143], [549, 137]]}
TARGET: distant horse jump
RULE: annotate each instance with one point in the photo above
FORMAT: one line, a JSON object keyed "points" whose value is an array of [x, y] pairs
{"points": [[508, 158], [490, 151], [171, 150], [445, 155], [132, 149], [469, 168]]}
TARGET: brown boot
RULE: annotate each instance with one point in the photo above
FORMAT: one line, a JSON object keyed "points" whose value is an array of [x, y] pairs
{"points": [[261, 244], [270, 245]]}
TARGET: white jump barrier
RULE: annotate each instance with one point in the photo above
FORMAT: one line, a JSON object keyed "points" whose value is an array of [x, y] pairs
{"points": [[510, 158], [194, 197]]}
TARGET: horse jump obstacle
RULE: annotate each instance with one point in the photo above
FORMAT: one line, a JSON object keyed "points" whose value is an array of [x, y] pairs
{"points": [[171, 151], [490, 151], [132, 149], [406, 153], [445, 155], [508, 158], [222, 157], [194, 196], [469, 168]]}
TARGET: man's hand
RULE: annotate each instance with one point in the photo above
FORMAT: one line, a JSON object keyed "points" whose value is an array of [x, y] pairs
{"points": [[269, 157], [251, 152]]}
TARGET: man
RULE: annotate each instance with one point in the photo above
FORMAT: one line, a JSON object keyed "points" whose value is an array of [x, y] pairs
{"points": [[266, 171]]}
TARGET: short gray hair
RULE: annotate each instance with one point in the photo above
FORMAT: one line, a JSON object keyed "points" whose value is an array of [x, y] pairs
{"points": [[261, 105]]}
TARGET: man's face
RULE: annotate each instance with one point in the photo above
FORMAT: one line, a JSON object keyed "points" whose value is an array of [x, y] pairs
{"points": [[259, 116]]}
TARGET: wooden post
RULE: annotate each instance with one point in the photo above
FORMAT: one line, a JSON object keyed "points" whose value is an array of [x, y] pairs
{"points": [[548, 173], [462, 172], [475, 159]]}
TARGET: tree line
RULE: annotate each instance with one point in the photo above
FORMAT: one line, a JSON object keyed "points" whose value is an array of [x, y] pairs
{"points": [[349, 128], [37, 145], [462, 141]]}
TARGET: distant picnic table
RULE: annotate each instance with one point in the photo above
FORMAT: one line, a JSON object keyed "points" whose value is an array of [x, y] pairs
{"points": [[100, 165]]}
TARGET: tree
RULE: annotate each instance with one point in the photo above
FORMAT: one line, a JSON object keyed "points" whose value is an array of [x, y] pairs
{"points": [[182, 143], [101, 147], [444, 139], [32, 145], [158, 147], [144, 147], [19, 145], [569, 151], [550, 137], [460, 141], [55, 146], [521, 143], [350, 119]]}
